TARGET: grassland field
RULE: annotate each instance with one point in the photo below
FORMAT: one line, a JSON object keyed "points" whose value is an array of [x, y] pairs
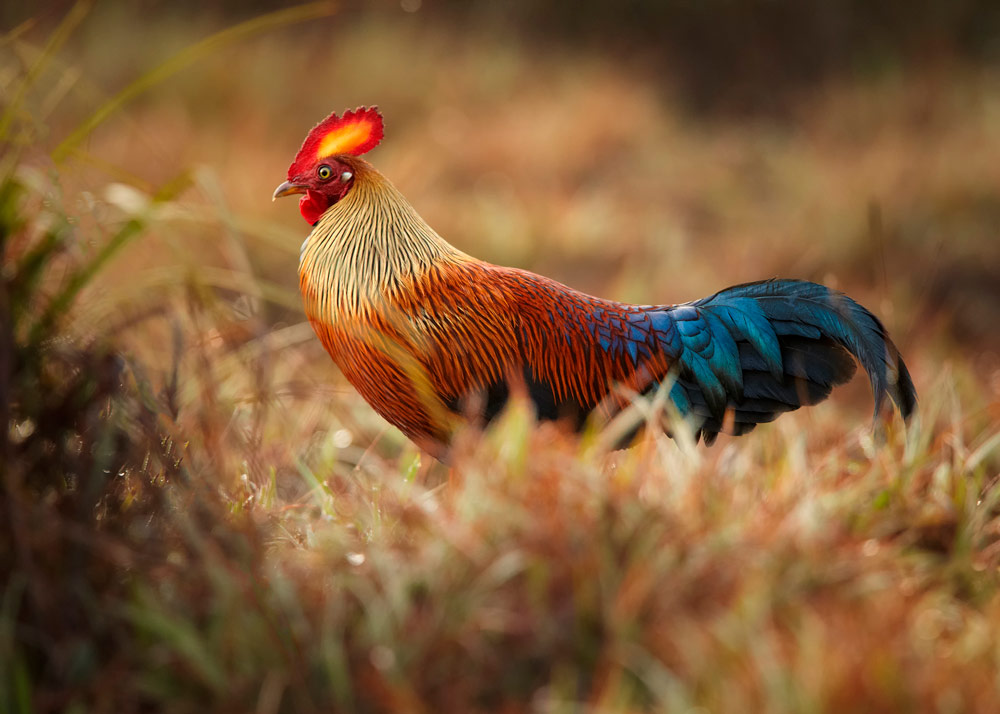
{"points": [[200, 514]]}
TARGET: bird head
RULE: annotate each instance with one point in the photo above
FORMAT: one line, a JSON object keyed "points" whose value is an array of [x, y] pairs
{"points": [[323, 171]]}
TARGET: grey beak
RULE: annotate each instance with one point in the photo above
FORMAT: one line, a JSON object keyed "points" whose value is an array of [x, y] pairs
{"points": [[287, 189]]}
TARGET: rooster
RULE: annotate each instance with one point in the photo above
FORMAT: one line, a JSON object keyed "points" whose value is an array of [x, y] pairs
{"points": [[431, 336]]}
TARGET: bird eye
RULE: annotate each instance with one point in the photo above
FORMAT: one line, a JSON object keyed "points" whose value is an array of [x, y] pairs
{"points": [[346, 176], [324, 172]]}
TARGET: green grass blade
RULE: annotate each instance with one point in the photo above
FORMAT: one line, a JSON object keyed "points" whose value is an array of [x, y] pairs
{"points": [[73, 18], [79, 279], [187, 57]]}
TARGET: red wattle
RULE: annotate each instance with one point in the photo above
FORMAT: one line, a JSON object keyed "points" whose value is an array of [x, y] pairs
{"points": [[312, 205]]}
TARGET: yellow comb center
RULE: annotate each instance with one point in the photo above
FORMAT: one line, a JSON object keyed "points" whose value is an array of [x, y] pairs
{"points": [[343, 140]]}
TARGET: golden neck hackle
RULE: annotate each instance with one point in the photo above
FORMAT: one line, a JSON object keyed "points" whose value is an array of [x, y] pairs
{"points": [[365, 249]]}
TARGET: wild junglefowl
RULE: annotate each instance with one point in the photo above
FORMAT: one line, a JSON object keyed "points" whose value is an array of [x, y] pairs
{"points": [[430, 336]]}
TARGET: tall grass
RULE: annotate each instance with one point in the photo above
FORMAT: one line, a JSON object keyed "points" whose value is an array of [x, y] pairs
{"points": [[195, 519]]}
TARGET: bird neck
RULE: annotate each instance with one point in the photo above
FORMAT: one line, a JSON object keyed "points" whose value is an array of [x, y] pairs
{"points": [[365, 248]]}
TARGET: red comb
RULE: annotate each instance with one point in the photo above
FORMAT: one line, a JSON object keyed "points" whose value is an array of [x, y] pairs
{"points": [[355, 133]]}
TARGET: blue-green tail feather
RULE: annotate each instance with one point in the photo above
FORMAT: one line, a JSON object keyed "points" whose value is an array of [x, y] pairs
{"points": [[751, 352]]}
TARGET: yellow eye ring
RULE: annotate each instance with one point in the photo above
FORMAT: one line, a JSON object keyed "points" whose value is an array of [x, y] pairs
{"points": [[324, 172]]}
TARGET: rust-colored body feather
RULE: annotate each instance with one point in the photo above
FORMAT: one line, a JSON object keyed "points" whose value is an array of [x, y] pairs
{"points": [[415, 325]]}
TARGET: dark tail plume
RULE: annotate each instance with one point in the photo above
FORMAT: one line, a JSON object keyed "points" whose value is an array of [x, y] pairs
{"points": [[796, 341]]}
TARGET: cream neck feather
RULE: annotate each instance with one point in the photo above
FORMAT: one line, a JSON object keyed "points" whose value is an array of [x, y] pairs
{"points": [[365, 248]]}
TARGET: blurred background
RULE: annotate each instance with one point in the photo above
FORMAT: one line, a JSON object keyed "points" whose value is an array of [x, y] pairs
{"points": [[224, 518], [647, 151]]}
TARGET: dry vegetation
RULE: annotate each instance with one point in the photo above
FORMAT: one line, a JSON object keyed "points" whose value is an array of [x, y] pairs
{"points": [[199, 514]]}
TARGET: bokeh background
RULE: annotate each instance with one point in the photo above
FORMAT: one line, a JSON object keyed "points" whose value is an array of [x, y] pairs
{"points": [[647, 151], [651, 152]]}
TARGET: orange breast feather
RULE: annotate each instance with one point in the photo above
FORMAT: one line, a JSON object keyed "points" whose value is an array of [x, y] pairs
{"points": [[463, 327]]}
